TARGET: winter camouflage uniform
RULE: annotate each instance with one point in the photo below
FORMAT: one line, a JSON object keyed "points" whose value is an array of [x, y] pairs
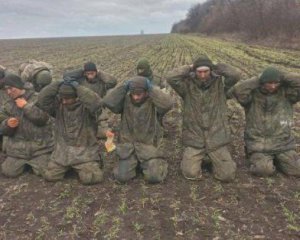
{"points": [[269, 118], [140, 133], [75, 134], [205, 124], [31, 143]]}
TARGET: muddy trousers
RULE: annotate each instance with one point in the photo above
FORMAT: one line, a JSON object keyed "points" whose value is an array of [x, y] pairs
{"points": [[154, 170], [223, 167], [103, 125], [89, 173], [262, 164], [152, 165], [13, 167]]}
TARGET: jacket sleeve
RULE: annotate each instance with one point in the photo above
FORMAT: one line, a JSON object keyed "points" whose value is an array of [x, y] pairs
{"points": [[89, 98], [35, 114], [176, 78], [161, 100], [109, 80], [292, 83], [230, 74], [115, 99], [47, 98], [242, 91], [159, 81], [4, 129]]}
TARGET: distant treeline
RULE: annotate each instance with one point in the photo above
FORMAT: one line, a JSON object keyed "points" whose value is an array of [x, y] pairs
{"points": [[254, 18]]}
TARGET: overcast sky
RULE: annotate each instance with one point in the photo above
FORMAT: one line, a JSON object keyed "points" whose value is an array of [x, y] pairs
{"points": [[51, 18]]}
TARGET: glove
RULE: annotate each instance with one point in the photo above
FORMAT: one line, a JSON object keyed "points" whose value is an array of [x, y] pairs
{"points": [[71, 81], [148, 85], [192, 74], [74, 83], [127, 85]]}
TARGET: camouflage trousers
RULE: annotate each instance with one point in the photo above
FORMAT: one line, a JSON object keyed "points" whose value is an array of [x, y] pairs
{"points": [[223, 167], [13, 167], [263, 164], [103, 125], [89, 172], [140, 157]]}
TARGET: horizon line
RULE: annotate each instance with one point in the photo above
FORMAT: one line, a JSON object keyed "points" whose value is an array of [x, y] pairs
{"points": [[83, 36]]}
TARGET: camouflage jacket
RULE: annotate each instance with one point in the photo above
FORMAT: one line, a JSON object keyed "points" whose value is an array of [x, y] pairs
{"points": [[102, 83], [75, 125], [3, 96], [269, 117], [28, 70], [33, 137], [158, 81], [139, 124], [205, 121]]}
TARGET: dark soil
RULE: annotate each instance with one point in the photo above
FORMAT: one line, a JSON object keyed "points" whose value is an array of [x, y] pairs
{"points": [[248, 208]]}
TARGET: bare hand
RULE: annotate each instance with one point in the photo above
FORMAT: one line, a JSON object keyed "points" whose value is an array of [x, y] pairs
{"points": [[13, 122], [109, 134], [21, 102]]}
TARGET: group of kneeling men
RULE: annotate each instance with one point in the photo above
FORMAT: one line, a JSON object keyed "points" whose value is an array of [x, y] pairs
{"points": [[52, 126]]}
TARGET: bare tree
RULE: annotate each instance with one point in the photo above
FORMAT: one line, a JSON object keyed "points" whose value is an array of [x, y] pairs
{"points": [[255, 18]]}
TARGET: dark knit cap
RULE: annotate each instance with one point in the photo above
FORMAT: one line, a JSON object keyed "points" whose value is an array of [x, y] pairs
{"points": [[202, 61], [89, 66], [270, 74], [2, 73], [12, 80], [138, 84], [67, 91]]}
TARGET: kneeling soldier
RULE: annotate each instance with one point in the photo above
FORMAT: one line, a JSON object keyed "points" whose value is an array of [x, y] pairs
{"points": [[268, 102], [28, 130], [141, 107], [74, 108]]}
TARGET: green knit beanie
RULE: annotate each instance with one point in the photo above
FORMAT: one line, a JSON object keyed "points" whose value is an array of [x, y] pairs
{"points": [[67, 91], [138, 84], [270, 74], [12, 80], [144, 68], [202, 61]]}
